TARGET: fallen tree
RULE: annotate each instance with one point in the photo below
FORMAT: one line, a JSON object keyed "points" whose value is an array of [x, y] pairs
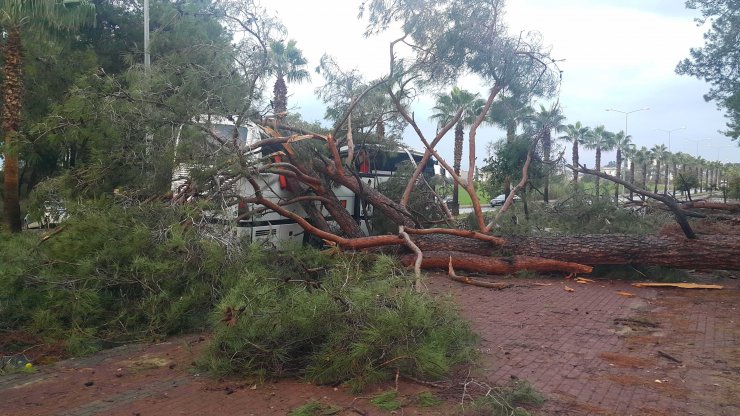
{"points": [[717, 252]]}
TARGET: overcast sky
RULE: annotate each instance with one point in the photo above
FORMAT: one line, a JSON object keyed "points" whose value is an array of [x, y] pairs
{"points": [[618, 54]]}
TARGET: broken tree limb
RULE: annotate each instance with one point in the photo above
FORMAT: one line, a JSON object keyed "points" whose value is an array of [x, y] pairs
{"points": [[678, 213], [474, 282], [419, 256], [493, 265], [731, 207]]}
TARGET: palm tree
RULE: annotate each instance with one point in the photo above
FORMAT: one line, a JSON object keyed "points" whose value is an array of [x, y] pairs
{"points": [[33, 17], [508, 112], [678, 158], [629, 153], [447, 106], [644, 157], [599, 139], [667, 159], [659, 152], [621, 142], [575, 133], [544, 122], [288, 64]]}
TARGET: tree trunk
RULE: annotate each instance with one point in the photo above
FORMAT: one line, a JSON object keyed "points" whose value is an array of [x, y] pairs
{"points": [[657, 176], [546, 148], [665, 176], [11, 114], [632, 175], [393, 210], [493, 265], [459, 137], [575, 160], [619, 175], [598, 169], [717, 252], [280, 98]]}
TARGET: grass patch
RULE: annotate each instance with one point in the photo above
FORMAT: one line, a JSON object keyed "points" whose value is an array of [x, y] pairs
{"points": [[506, 401], [387, 401], [315, 409], [428, 399]]}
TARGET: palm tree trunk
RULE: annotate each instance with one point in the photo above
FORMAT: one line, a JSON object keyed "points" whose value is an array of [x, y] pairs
{"points": [[459, 136], [675, 176], [575, 161], [546, 147], [665, 176], [657, 176], [280, 98], [644, 175], [619, 175], [12, 105], [380, 128], [632, 175], [598, 168]]}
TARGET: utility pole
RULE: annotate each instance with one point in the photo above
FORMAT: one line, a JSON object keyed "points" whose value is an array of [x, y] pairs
{"points": [[147, 61]]}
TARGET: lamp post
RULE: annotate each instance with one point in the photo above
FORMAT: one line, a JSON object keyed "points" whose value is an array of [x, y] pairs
{"points": [[626, 115], [147, 62], [669, 135], [697, 144]]}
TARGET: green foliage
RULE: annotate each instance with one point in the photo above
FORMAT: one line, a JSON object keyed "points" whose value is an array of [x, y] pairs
{"points": [[387, 401], [717, 61], [112, 274], [506, 162], [506, 401], [687, 181], [733, 185], [314, 409], [428, 399], [358, 321], [422, 203]]}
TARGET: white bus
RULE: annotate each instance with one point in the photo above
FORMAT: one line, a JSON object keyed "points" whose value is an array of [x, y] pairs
{"points": [[374, 165]]}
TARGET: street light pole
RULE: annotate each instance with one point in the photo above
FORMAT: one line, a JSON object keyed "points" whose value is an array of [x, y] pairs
{"points": [[147, 62], [626, 115], [669, 135]]}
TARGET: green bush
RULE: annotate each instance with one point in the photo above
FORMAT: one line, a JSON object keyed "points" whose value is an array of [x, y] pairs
{"points": [[111, 274], [357, 321]]}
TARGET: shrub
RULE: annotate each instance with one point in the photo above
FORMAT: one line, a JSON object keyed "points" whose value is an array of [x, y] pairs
{"points": [[110, 275], [357, 321]]}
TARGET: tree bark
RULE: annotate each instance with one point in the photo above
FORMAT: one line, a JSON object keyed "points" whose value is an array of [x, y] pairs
{"points": [[718, 252], [459, 137], [394, 211], [11, 116], [493, 265]]}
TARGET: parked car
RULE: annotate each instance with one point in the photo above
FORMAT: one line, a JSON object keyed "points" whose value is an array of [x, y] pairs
{"points": [[54, 213], [499, 200]]}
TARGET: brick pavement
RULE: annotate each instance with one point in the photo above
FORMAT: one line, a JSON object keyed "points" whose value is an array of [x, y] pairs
{"points": [[591, 352], [594, 352]]}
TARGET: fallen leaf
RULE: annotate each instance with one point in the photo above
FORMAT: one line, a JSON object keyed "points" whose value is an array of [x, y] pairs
{"points": [[569, 289], [625, 294], [583, 280]]}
